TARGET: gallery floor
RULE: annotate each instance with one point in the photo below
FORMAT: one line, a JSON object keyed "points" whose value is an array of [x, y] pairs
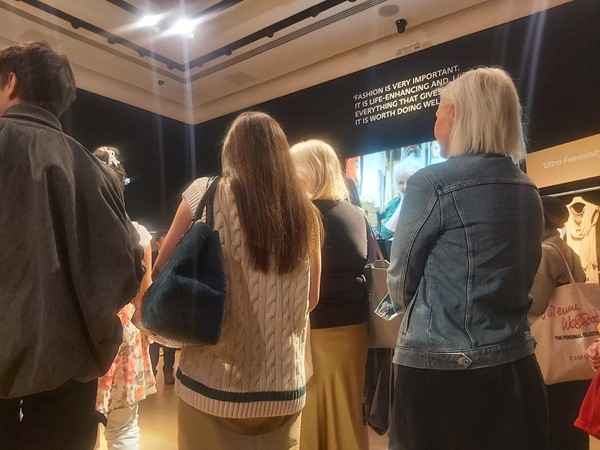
{"points": [[158, 422]]}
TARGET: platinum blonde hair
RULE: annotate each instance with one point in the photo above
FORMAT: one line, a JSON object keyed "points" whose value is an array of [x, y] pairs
{"points": [[319, 167], [487, 114]]}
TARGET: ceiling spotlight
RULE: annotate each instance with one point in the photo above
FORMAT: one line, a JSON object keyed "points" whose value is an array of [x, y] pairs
{"points": [[401, 25], [150, 20], [184, 26]]}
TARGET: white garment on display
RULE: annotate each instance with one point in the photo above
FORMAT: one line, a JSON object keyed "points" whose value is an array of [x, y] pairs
{"points": [[581, 235]]}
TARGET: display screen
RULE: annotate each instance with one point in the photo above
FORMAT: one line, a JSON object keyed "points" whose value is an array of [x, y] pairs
{"points": [[380, 179]]}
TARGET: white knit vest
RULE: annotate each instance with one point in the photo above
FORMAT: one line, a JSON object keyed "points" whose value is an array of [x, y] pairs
{"points": [[257, 368]]}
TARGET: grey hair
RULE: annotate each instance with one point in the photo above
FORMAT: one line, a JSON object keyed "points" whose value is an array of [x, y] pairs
{"points": [[487, 114], [405, 169]]}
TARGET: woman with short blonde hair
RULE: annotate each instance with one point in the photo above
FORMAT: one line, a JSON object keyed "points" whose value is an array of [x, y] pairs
{"points": [[464, 256], [489, 119], [332, 417]]}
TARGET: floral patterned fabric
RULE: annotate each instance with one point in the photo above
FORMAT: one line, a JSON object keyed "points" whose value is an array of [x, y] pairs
{"points": [[130, 377]]}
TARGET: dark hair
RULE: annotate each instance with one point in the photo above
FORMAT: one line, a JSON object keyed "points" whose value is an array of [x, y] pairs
{"points": [[44, 77], [555, 213], [110, 156], [160, 234], [279, 223], [353, 191]]}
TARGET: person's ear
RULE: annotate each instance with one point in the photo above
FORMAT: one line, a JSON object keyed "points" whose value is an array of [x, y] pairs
{"points": [[12, 86], [452, 112]]}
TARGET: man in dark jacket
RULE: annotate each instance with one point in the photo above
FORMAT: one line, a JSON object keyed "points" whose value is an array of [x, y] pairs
{"points": [[69, 259]]}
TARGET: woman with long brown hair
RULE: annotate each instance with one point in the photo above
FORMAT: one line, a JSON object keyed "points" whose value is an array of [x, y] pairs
{"points": [[247, 391]]}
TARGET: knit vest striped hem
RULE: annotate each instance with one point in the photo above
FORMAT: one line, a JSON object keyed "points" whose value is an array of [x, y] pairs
{"points": [[238, 404]]}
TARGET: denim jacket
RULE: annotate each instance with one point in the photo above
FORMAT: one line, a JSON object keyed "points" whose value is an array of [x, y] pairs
{"points": [[464, 256]]}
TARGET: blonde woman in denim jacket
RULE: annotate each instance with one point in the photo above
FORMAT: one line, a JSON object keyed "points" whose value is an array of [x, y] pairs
{"points": [[464, 256]]}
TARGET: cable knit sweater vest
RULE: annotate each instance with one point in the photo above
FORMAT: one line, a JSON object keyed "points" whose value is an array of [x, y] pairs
{"points": [[257, 368]]}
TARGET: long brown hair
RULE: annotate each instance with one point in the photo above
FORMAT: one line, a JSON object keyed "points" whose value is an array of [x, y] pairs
{"points": [[280, 225]]}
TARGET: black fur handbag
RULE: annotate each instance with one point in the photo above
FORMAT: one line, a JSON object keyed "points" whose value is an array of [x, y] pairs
{"points": [[184, 305]]}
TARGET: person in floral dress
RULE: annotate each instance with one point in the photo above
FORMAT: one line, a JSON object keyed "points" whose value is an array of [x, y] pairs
{"points": [[130, 377]]}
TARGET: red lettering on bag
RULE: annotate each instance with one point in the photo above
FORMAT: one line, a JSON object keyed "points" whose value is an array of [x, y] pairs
{"points": [[561, 311], [550, 312], [579, 321], [553, 311]]}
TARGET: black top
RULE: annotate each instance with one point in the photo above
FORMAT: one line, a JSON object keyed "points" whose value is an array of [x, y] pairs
{"points": [[344, 297]]}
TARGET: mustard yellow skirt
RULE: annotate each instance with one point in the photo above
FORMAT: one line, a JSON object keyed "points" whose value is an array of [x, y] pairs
{"points": [[201, 431], [332, 418]]}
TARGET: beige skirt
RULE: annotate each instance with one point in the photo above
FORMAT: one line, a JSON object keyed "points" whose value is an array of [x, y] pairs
{"points": [[201, 431], [332, 418]]}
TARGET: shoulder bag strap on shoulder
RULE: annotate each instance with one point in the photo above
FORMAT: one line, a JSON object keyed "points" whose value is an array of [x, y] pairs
{"points": [[563, 258], [207, 200]]}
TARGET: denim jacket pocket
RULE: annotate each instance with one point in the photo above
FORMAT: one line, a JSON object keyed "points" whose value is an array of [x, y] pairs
{"points": [[406, 318]]}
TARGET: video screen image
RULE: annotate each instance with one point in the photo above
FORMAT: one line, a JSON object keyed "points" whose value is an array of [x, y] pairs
{"points": [[380, 179]]}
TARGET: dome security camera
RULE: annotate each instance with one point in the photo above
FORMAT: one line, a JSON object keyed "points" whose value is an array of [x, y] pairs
{"points": [[401, 25]]}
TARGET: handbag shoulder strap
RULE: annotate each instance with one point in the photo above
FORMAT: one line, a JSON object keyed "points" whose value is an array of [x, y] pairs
{"points": [[571, 278], [206, 202], [374, 252]]}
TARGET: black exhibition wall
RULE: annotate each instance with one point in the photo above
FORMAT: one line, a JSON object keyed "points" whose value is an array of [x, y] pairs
{"points": [[155, 152], [554, 57]]}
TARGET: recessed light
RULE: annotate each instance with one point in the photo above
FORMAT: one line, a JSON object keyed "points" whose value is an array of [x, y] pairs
{"points": [[388, 10]]}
